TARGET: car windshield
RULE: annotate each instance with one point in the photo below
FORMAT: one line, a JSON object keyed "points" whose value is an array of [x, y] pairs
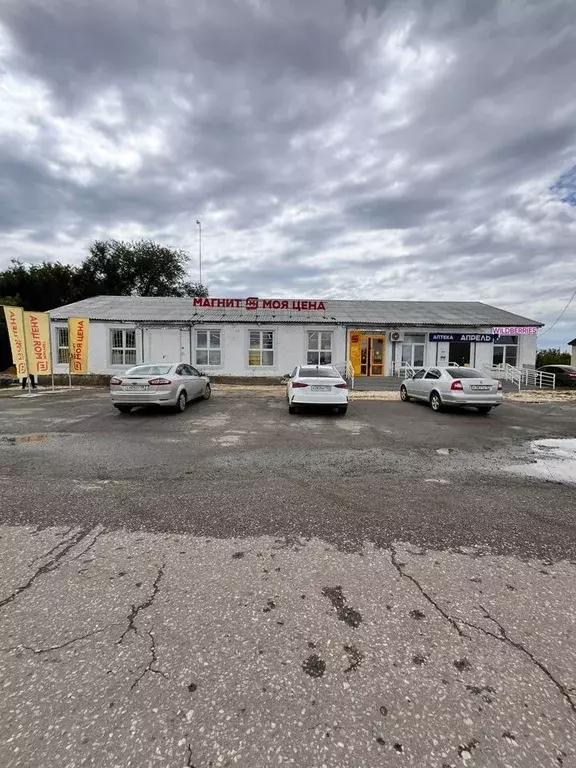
{"points": [[466, 373], [319, 373], [149, 370], [568, 368]]}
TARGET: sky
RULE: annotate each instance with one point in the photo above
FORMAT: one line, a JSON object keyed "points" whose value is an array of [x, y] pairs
{"points": [[373, 149]]}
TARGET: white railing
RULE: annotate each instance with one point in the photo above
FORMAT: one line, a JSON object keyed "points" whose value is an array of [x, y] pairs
{"points": [[403, 370], [346, 370], [522, 376]]}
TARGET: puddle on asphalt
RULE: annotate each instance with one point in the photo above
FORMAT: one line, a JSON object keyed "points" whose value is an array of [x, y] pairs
{"points": [[555, 460], [17, 439]]}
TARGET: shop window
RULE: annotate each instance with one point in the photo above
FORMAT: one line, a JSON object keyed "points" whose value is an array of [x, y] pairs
{"points": [[208, 348], [319, 348], [506, 350], [122, 346], [261, 348], [413, 349], [63, 346]]}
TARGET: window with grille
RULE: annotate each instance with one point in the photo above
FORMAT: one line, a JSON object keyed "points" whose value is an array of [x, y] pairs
{"points": [[122, 346], [208, 348], [63, 346], [319, 348], [261, 348]]}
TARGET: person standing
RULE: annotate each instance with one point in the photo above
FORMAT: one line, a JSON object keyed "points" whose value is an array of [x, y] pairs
{"points": [[32, 382]]}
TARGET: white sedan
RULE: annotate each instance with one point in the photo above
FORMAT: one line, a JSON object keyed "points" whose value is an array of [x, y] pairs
{"points": [[316, 385]]}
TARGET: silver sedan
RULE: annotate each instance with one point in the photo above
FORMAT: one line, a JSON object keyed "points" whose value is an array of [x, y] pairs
{"points": [[170, 385], [453, 386]]}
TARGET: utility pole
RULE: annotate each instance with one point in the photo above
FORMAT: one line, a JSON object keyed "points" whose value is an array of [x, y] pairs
{"points": [[199, 248]]}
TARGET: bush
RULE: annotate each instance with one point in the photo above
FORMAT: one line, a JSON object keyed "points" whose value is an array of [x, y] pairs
{"points": [[552, 357]]}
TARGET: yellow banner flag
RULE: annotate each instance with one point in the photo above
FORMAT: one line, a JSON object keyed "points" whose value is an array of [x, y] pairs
{"points": [[15, 322], [78, 341], [37, 333]]}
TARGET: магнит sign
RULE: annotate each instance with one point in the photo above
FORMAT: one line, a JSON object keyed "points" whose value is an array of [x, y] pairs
{"points": [[253, 303], [483, 338]]}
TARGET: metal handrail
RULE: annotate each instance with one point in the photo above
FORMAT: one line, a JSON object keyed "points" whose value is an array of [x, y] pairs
{"points": [[346, 369], [404, 370], [521, 376]]}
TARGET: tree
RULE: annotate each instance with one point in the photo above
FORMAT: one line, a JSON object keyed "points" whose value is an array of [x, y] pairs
{"points": [[38, 286], [143, 268], [113, 267], [552, 357]]}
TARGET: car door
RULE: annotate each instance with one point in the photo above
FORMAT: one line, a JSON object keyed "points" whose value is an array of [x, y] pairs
{"points": [[413, 385], [182, 379], [429, 382], [197, 380]]}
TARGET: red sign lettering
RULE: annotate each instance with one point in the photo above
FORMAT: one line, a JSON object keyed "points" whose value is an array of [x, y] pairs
{"points": [[253, 303]]}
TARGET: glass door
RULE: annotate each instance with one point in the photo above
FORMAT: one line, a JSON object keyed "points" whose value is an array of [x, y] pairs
{"points": [[364, 356], [376, 356]]}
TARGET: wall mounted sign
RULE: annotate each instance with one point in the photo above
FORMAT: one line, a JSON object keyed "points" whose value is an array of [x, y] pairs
{"points": [[508, 330], [253, 303], [483, 338]]}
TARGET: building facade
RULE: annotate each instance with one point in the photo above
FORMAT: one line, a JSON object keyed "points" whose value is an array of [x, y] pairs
{"points": [[269, 337]]}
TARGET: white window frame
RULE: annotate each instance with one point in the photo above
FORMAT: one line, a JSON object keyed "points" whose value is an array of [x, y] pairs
{"points": [[124, 349], [505, 346], [261, 349], [412, 344], [62, 350], [208, 348], [318, 350]]}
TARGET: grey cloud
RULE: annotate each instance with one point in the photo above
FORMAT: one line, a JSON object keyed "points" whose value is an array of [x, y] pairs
{"points": [[399, 212]]}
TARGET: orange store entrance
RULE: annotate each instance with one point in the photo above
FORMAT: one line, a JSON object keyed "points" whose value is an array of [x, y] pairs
{"points": [[367, 353]]}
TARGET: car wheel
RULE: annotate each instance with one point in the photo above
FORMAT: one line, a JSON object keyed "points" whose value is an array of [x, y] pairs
{"points": [[435, 402], [404, 394], [207, 392], [484, 408], [124, 408], [181, 403], [342, 410], [291, 409]]}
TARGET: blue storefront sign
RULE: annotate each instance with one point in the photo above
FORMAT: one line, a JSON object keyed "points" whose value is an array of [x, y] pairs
{"points": [[483, 338]]}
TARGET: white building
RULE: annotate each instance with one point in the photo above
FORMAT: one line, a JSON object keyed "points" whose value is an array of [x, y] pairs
{"points": [[265, 337]]}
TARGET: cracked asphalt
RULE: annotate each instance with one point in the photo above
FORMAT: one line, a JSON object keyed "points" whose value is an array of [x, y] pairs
{"points": [[234, 586]]}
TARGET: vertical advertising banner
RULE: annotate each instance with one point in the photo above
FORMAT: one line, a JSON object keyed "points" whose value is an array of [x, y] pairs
{"points": [[37, 333], [15, 322], [78, 341]]}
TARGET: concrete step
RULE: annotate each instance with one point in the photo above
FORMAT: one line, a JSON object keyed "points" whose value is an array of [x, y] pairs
{"points": [[377, 383]]}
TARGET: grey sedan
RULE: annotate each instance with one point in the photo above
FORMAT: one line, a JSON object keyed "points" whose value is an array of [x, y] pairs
{"points": [[453, 386], [170, 385]]}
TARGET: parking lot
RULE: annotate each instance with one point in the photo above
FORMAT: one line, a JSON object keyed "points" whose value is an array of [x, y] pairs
{"points": [[235, 585]]}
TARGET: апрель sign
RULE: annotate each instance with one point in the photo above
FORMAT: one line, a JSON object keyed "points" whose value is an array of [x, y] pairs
{"points": [[485, 338]]}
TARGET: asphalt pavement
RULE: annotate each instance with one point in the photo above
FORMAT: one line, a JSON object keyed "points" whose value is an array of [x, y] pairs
{"points": [[238, 586]]}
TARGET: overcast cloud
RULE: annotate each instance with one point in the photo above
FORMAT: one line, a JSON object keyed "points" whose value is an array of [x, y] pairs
{"points": [[332, 148]]}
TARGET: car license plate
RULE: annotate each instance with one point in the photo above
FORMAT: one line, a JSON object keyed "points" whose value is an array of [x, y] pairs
{"points": [[481, 387], [136, 386], [320, 388]]}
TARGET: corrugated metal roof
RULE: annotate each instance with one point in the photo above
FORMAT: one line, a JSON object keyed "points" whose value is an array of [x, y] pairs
{"points": [[144, 309]]}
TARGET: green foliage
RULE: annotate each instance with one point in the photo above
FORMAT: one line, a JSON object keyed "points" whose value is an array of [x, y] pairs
{"points": [[552, 357], [142, 268], [38, 286], [113, 267]]}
